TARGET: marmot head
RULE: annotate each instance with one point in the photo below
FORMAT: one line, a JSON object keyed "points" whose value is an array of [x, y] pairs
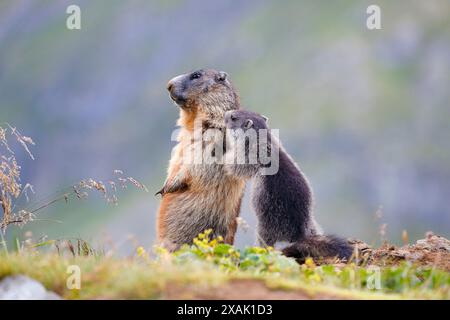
{"points": [[245, 120], [208, 91], [248, 142]]}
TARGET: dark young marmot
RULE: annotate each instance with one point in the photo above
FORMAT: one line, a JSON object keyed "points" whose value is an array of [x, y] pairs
{"points": [[199, 195], [282, 200]]}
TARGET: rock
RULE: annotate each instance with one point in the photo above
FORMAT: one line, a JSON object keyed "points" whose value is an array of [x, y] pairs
{"points": [[24, 288], [434, 242], [401, 253], [414, 256], [359, 245]]}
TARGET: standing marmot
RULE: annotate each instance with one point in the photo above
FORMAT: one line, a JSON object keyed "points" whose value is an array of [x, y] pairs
{"points": [[282, 200], [199, 195]]}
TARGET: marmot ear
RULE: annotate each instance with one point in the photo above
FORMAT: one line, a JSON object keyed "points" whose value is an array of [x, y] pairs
{"points": [[266, 119], [222, 76], [248, 124]]}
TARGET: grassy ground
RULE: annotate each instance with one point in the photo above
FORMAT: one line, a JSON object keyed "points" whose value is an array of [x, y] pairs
{"points": [[212, 270]]}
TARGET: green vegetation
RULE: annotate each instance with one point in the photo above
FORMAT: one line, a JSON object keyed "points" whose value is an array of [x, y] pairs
{"points": [[210, 267]]}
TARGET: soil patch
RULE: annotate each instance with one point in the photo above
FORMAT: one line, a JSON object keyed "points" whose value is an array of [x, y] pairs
{"points": [[242, 289]]}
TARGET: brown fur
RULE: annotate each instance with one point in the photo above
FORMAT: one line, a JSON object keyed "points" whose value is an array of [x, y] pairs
{"points": [[196, 197]]}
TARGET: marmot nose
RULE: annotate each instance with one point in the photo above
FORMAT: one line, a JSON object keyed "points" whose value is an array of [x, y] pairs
{"points": [[169, 86], [175, 82]]}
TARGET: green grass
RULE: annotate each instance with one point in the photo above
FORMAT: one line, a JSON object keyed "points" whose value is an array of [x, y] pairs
{"points": [[208, 266]]}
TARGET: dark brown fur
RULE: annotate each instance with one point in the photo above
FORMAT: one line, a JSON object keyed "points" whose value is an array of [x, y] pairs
{"points": [[282, 200]]}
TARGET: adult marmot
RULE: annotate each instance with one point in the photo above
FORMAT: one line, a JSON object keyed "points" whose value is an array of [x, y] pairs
{"points": [[198, 194], [282, 199]]}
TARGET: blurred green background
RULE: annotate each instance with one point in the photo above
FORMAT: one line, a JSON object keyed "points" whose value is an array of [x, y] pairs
{"points": [[365, 113]]}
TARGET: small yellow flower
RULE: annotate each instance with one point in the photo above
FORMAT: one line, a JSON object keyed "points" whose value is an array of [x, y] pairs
{"points": [[315, 277], [140, 251], [310, 262], [160, 250], [259, 250]]}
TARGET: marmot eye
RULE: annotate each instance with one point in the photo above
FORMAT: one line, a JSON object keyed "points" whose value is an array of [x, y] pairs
{"points": [[233, 117], [195, 75]]}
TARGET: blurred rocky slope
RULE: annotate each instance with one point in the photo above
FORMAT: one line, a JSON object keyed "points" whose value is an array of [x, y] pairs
{"points": [[365, 113]]}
